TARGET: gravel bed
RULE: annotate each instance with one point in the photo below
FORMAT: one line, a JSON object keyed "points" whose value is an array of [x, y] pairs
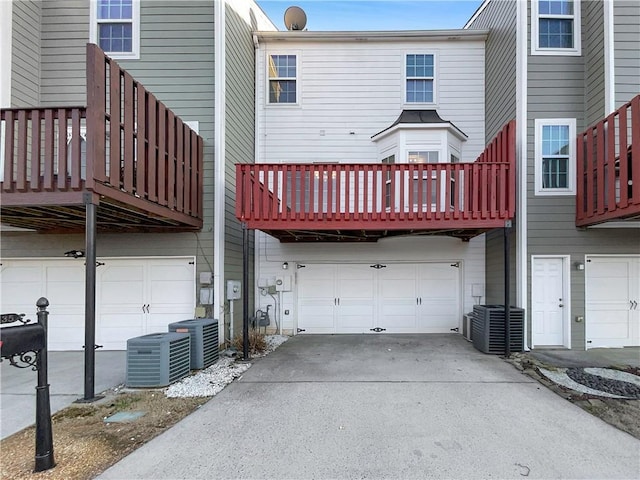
{"points": [[604, 384]]}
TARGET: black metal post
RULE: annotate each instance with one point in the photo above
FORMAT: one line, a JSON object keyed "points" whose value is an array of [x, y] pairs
{"points": [[507, 281], [245, 290], [44, 432], [90, 302]]}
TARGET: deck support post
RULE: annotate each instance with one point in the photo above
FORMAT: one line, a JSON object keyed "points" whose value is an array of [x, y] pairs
{"points": [[507, 281], [245, 290], [90, 301]]}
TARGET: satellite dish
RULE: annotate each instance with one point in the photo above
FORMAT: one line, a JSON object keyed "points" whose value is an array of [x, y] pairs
{"points": [[295, 18]]}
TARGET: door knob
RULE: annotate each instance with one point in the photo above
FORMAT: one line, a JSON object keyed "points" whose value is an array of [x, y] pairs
{"points": [[561, 305]]}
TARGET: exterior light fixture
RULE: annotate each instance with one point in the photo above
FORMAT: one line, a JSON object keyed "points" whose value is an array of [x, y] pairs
{"points": [[285, 266], [74, 254], [579, 266]]}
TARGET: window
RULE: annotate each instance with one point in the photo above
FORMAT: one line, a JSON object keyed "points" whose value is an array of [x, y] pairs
{"points": [[115, 27], [282, 79], [420, 78], [555, 27], [555, 156]]}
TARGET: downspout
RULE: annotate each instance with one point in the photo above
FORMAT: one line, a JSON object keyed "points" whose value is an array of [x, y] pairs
{"points": [[256, 155], [609, 59], [219, 164], [6, 24], [522, 162]]}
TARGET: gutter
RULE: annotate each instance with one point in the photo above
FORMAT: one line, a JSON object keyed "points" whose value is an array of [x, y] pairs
{"points": [[377, 36]]}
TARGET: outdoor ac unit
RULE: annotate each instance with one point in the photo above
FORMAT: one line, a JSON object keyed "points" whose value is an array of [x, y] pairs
{"points": [[488, 329], [466, 326], [204, 340], [157, 359]]}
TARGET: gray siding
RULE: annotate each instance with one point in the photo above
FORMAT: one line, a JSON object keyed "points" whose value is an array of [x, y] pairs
{"points": [[65, 32], [25, 55], [239, 143], [176, 64], [627, 50], [500, 64], [593, 50], [500, 107], [556, 89]]}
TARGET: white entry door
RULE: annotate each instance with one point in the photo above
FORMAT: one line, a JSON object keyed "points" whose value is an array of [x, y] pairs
{"points": [[548, 302], [613, 301]]}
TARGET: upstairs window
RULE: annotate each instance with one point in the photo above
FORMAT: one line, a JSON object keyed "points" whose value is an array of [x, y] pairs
{"points": [[555, 27], [115, 27], [555, 156], [283, 79], [420, 78]]}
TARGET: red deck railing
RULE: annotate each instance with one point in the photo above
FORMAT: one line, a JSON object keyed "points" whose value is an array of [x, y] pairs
{"points": [[125, 146], [381, 196], [608, 156]]}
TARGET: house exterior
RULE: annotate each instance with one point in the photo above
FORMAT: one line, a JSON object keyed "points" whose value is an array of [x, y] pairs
{"points": [[336, 109], [577, 277], [179, 77], [370, 181]]}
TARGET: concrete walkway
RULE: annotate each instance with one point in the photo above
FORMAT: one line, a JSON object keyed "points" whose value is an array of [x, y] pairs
{"points": [[66, 380], [388, 406]]}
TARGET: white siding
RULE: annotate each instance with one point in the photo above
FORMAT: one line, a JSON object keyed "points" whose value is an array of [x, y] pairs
{"points": [[347, 92], [270, 254], [358, 87]]}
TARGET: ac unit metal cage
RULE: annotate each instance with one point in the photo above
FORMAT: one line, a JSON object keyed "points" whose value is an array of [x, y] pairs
{"points": [[467, 321], [488, 329], [204, 340], [157, 359]]}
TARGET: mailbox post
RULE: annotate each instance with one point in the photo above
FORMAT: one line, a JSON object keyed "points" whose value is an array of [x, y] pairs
{"points": [[26, 346]]}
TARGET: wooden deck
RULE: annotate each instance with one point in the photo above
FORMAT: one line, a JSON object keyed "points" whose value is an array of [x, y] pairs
{"points": [[125, 152], [608, 165], [365, 202]]}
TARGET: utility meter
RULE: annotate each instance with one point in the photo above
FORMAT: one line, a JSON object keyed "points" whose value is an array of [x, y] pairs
{"points": [[234, 290]]}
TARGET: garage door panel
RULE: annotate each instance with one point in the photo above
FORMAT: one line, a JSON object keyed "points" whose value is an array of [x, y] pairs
{"points": [[317, 318], [122, 288], [388, 297], [66, 331], [612, 285]]}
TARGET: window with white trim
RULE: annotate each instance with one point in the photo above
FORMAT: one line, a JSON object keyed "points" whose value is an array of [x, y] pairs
{"points": [[555, 27], [283, 71], [420, 78], [115, 27], [555, 157]]}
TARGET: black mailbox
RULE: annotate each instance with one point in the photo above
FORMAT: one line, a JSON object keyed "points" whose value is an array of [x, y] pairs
{"points": [[21, 339]]}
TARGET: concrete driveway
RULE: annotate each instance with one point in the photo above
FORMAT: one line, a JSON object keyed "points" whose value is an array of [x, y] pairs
{"points": [[66, 380], [387, 406]]}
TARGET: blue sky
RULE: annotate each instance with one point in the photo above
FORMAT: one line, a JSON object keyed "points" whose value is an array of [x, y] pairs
{"points": [[376, 14]]}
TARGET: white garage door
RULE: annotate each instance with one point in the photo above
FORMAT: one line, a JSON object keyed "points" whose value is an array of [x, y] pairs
{"points": [[398, 298], [134, 296], [613, 301]]}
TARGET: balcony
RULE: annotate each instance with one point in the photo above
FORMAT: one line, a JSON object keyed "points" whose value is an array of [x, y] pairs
{"points": [[608, 156], [365, 202], [124, 152]]}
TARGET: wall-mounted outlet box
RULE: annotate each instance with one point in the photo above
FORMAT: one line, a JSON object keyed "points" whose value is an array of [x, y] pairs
{"points": [[234, 290]]}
